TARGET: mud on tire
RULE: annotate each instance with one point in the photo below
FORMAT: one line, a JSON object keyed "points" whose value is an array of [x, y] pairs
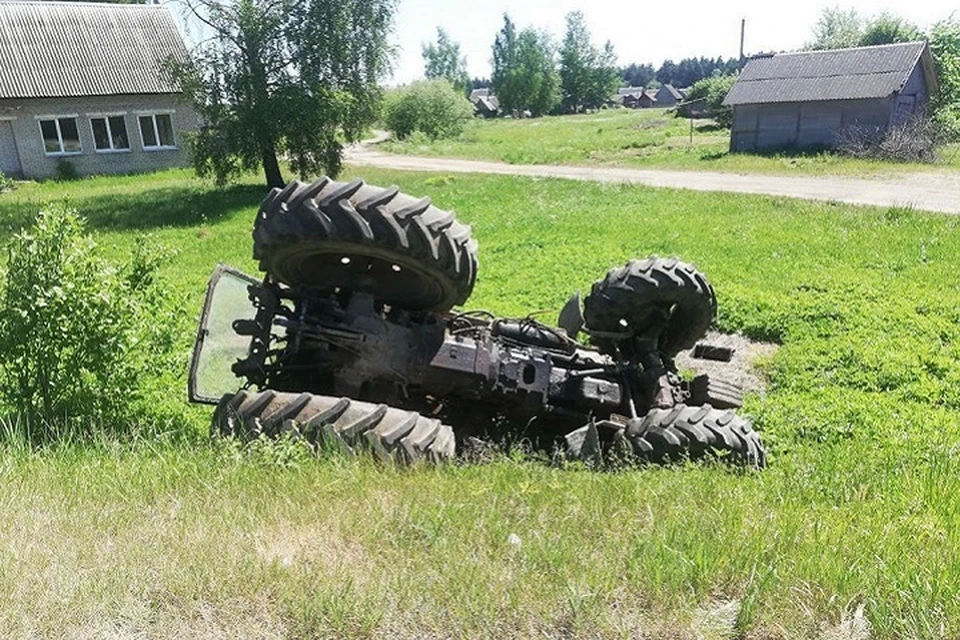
{"points": [[336, 423], [329, 234], [696, 432], [636, 291]]}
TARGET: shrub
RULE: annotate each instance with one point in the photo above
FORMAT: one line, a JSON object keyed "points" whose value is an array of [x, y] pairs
{"points": [[66, 172], [712, 91], [916, 140], [6, 183], [78, 336], [432, 107]]}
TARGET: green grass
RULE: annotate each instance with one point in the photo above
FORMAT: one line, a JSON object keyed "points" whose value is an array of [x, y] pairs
{"points": [[860, 506], [646, 138]]}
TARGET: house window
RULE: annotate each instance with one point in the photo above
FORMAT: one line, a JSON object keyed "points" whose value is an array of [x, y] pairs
{"points": [[60, 136], [156, 131], [110, 133]]}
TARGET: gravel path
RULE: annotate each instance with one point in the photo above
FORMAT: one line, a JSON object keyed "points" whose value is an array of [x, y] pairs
{"points": [[927, 191]]}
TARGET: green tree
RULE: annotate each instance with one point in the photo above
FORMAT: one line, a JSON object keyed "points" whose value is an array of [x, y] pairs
{"points": [[588, 75], [944, 41], [837, 29], [433, 107], [666, 72], [525, 74], [712, 91], [284, 77], [638, 75], [443, 60], [886, 28]]}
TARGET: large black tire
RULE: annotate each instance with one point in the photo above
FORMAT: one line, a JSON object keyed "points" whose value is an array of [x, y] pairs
{"points": [[328, 235], [635, 292], [695, 432], [337, 423]]}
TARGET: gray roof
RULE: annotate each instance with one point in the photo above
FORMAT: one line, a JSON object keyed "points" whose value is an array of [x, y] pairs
{"points": [[840, 74], [672, 91], [489, 103], [66, 49]]}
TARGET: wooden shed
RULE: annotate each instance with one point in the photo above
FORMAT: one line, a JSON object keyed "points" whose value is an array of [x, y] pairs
{"points": [[805, 99]]}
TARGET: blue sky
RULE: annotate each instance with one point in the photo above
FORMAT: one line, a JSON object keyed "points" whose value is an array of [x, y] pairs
{"points": [[641, 30]]}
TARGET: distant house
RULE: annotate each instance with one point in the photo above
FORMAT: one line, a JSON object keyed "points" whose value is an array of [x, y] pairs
{"points": [[806, 99], [667, 96], [634, 98], [485, 103], [644, 100], [87, 83]]}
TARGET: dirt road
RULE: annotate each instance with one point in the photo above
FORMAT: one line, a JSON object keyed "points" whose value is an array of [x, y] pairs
{"points": [[929, 191]]}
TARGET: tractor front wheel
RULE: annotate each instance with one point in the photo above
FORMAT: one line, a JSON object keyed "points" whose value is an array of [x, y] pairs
{"points": [[341, 424]]}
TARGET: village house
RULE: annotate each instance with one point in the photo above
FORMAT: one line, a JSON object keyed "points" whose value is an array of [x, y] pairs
{"points": [[641, 100], [88, 84], [668, 96], [634, 98], [807, 99], [485, 104]]}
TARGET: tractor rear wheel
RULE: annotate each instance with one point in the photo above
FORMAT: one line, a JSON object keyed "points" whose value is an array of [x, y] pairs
{"points": [[330, 235], [336, 423]]}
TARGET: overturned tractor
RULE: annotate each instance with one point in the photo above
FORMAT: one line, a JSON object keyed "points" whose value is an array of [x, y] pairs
{"points": [[350, 341]]}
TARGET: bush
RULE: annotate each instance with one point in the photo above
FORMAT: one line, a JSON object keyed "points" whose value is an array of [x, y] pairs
{"points": [[6, 183], [78, 337], [432, 107], [916, 140], [66, 172], [712, 91]]}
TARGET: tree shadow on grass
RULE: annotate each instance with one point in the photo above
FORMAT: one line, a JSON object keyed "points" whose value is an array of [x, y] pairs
{"points": [[151, 208], [711, 127], [714, 155]]}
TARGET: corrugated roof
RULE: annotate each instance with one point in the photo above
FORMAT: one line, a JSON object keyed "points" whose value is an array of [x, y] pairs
{"points": [[840, 74], [64, 49], [673, 91]]}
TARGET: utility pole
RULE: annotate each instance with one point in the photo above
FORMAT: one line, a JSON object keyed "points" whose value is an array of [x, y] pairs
{"points": [[743, 30]]}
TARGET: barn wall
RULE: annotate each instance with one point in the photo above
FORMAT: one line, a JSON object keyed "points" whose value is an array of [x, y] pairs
{"points": [[865, 114], [912, 100], [798, 125], [743, 131], [819, 124], [36, 164]]}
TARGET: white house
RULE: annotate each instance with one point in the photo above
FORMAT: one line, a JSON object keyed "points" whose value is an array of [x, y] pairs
{"points": [[89, 84]]}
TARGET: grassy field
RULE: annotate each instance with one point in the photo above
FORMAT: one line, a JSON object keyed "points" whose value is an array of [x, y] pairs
{"points": [[645, 138], [175, 537]]}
